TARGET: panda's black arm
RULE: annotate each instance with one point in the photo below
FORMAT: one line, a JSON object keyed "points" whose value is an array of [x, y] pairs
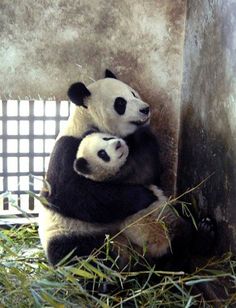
{"points": [[101, 202]]}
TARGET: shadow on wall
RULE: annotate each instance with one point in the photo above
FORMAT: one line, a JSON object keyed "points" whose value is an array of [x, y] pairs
{"points": [[208, 126]]}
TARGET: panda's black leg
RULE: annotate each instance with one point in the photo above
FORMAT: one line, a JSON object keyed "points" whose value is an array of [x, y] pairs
{"points": [[205, 237], [179, 258], [61, 246]]}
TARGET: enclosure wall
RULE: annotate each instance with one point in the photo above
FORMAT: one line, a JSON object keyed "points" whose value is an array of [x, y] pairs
{"points": [[208, 113]]}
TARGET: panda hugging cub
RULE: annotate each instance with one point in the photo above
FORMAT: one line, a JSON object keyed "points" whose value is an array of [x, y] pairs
{"points": [[82, 209]]}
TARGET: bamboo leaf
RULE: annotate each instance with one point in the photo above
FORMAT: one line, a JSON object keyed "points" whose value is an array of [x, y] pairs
{"points": [[96, 271], [51, 300], [200, 280], [82, 273]]}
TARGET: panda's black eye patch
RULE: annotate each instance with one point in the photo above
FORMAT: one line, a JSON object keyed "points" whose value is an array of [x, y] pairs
{"points": [[120, 105], [108, 138], [103, 155]]}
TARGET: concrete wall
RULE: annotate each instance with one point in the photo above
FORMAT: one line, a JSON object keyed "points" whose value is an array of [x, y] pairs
{"points": [[208, 115], [46, 45]]}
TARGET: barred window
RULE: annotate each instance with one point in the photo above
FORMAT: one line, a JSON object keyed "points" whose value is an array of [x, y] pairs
{"points": [[27, 134]]}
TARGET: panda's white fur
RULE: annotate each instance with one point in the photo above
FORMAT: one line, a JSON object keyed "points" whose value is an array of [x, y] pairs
{"points": [[101, 168], [101, 114]]}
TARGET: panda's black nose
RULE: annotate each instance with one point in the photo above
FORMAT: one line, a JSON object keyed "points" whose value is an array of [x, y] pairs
{"points": [[145, 110]]}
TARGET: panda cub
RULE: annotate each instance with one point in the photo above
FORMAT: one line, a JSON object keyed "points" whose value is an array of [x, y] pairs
{"points": [[100, 157], [78, 211], [103, 157]]}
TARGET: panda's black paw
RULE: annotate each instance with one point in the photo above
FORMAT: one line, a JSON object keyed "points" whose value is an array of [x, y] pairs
{"points": [[207, 228], [206, 236]]}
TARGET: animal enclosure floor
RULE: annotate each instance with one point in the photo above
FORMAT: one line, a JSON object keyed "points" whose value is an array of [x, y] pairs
{"points": [[26, 280]]}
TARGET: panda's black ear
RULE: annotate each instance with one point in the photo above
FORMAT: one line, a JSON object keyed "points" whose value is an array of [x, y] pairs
{"points": [[77, 93], [81, 165], [109, 74], [90, 131]]}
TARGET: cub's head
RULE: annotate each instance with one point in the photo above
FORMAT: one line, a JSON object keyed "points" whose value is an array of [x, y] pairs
{"points": [[114, 106], [100, 156]]}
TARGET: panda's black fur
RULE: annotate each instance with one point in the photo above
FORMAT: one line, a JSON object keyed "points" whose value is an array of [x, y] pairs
{"points": [[142, 167]]}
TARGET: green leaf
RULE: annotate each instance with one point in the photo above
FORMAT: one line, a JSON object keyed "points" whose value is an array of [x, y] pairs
{"points": [[51, 300], [82, 273], [96, 271]]}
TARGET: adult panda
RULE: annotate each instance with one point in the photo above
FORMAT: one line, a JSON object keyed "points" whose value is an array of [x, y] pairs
{"points": [[80, 211], [75, 221]]}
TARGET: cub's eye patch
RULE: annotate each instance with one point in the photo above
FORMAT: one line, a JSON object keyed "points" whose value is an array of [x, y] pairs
{"points": [[103, 155], [108, 138], [120, 105]]}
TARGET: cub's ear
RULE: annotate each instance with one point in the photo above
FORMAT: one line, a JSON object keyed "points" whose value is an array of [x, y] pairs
{"points": [[89, 132], [77, 93], [109, 74], [81, 165]]}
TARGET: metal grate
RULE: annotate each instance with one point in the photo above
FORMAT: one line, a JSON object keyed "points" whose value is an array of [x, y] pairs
{"points": [[27, 134]]}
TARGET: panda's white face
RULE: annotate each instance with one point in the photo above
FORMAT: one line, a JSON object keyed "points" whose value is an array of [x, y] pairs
{"points": [[116, 108], [100, 156]]}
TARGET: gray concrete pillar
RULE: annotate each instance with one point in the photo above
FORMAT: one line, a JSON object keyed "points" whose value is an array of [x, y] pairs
{"points": [[208, 113]]}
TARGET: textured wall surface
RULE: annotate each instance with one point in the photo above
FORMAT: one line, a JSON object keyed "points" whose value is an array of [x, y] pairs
{"points": [[208, 138], [47, 45]]}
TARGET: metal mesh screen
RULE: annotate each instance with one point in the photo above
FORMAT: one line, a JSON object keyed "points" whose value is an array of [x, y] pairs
{"points": [[27, 134]]}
